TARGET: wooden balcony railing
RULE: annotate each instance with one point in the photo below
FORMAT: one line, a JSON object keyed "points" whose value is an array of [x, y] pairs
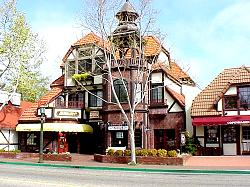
{"points": [[71, 104], [127, 63], [155, 102]]}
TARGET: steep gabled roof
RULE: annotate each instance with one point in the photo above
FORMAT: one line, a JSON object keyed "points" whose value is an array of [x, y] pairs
{"points": [[91, 38], [59, 82], [10, 114], [178, 97], [204, 104], [30, 114], [152, 46], [172, 70]]}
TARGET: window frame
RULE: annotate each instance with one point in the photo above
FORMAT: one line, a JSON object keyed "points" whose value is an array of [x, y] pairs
{"points": [[92, 99], [209, 136], [120, 91], [246, 104], [155, 87], [235, 97]]}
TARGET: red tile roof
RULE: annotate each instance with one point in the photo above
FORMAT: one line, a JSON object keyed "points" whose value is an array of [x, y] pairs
{"points": [[59, 82], [204, 104], [30, 114], [178, 97], [172, 70], [91, 38], [152, 45], [10, 114]]}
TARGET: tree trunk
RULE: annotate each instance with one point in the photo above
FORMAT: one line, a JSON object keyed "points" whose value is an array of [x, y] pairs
{"points": [[132, 144]]}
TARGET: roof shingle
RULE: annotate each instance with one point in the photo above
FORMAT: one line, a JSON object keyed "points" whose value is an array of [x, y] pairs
{"points": [[30, 114], [204, 103]]}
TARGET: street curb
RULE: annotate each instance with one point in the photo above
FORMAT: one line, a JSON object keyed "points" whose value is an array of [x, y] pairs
{"points": [[148, 170]]}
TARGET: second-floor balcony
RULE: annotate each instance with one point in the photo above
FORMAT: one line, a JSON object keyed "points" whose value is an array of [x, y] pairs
{"points": [[158, 102], [71, 104], [127, 63]]}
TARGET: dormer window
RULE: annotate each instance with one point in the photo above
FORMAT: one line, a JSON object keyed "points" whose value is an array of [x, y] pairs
{"points": [[230, 102]]}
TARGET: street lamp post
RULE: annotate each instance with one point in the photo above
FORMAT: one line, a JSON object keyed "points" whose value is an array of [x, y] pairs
{"points": [[42, 112]]}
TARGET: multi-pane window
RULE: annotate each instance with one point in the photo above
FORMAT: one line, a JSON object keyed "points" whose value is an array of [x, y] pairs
{"points": [[244, 97], [120, 91], [71, 68], [84, 66], [98, 65], [230, 102], [60, 102], [94, 101], [246, 132], [157, 93], [31, 139], [212, 134], [76, 100]]}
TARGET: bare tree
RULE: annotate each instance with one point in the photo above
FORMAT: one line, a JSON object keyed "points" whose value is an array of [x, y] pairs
{"points": [[123, 49]]}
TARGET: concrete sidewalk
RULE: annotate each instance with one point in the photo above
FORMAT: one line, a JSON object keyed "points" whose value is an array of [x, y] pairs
{"points": [[195, 164]]}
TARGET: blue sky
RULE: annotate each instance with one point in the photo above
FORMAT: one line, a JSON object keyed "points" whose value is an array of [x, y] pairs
{"points": [[203, 36]]}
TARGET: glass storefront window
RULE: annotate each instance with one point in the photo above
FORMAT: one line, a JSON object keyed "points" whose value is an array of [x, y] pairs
{"points": [[246, 132], [31, 139], [212, 134]]}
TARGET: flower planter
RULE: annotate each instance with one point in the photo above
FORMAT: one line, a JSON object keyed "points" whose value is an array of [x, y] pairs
{"points": [[52, 157], [57, 157], [142, 160]]}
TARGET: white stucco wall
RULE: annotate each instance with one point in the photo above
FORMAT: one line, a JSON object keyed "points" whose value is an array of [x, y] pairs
{"points": [[172, 85], [163, 58], [170, 101], [156, 77], [190, 93], [231, 91], [219, 105], [11, 136]]}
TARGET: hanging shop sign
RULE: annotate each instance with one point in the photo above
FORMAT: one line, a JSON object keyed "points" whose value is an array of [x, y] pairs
{"points": [[118, 128], [67, 113], [94, 115], [237, 122]]}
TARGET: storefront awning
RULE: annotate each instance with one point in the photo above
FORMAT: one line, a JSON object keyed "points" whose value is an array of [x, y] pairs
{"points": [[55, 127], [221, 120]]}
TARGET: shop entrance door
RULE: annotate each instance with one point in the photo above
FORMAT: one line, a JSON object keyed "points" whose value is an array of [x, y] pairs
{"points": [[164, 139], [231, 139], [72, 142], [119, 138]]}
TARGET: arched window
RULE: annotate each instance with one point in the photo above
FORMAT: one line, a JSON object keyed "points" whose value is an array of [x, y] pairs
{"points": [[60, 102], [120, 91]]}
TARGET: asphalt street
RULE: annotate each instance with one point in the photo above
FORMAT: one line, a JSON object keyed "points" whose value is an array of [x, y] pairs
{"points": [[16, 175]]}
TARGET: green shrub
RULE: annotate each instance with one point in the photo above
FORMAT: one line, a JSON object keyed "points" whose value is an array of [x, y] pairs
{"points": [[152, 152], [118, 153], [2, 150], [111, 152], [172, 153], [138, 152], [81, 77], [162, 153], [144, 152], [127, 152]]}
